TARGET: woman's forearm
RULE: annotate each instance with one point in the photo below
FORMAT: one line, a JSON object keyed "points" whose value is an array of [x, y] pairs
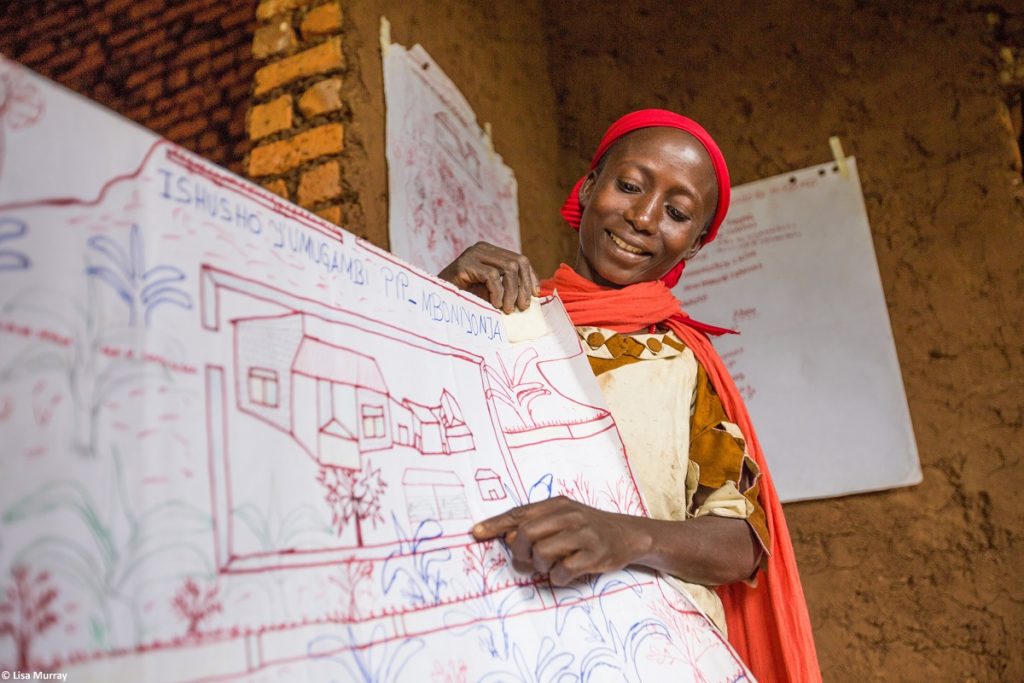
{"points": [[705, 550]]}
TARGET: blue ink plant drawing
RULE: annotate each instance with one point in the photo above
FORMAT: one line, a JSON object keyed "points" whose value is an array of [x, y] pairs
{"points": [[421, 582], [380, 664], [550, 666], [610, 649], [140, 289], [12, 229]]}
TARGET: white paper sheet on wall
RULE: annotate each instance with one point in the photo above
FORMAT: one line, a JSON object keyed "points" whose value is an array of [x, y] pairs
{"points": [[448, 188], [794, 270], [240, 445]]}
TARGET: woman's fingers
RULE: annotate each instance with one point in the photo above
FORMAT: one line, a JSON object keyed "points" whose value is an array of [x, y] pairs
{"points": [[570, 568], [511, 295], [559, 536], [529, 285], [508, 277]]}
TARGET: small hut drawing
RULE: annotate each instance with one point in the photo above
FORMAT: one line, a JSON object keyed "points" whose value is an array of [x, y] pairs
{"points": [[434, 494]]}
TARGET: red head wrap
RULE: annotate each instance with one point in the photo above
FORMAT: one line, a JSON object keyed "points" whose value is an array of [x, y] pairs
{"points": [[651, 118]]}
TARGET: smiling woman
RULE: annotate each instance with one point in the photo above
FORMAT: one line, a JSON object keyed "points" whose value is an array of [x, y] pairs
{"points": [[656, 193], [646, 205]]}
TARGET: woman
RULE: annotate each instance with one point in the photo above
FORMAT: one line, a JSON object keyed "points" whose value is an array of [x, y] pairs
{"points": [[656, 193]]}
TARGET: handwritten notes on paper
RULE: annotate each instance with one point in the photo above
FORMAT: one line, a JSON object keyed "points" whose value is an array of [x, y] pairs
{"points": [[448, 189], [241, 445], [794, 270]]}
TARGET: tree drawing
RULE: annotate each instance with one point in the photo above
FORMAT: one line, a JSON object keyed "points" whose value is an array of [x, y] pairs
{"points": [[480, 561], [354, 496], [27, 610], [21, 105], [140, 289], [623, 497], [451, 671], [509, 388], [195, 605], [354, 582], [579, 489], [12, 229]]}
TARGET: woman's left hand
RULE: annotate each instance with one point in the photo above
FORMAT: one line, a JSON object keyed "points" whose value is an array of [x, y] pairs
{"points": [[566, 539]]}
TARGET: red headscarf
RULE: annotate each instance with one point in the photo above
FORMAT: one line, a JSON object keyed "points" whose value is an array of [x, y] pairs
{"points": [[572, 212]]}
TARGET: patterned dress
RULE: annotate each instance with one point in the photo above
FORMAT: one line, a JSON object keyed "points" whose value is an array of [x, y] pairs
{"points": [[687, 458]]}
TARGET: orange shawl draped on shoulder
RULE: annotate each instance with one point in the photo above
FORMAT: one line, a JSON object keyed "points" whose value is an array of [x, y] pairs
{"points": [[768, 625]]}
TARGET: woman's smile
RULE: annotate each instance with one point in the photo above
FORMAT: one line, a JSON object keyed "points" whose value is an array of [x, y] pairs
{"points": [[625, 246]]}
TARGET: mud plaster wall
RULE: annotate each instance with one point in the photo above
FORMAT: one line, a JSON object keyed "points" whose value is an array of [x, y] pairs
{"points": [[919, 584]]}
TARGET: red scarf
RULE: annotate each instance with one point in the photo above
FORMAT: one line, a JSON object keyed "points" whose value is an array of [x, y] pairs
{"points": [[768, 626]]}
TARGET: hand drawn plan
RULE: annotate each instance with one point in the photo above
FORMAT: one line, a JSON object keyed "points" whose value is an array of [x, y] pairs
{"points": [[239, 444], [448, 188]]}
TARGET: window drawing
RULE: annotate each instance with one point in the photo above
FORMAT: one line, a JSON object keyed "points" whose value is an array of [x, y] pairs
{"points": [[263, 387], [373, 421]]}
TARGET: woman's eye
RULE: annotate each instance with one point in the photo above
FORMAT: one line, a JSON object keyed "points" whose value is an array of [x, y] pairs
{"points": [[627, 186], [677, 215]]}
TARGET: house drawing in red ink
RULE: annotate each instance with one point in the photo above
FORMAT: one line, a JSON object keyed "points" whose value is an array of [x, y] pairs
{"points": [[309, 393], [489, 484], [334, 400], [434, 494]]}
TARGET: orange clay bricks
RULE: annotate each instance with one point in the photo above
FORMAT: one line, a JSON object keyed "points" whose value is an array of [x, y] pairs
{"points": [[271, 117], [322, 21], [297, 116], [316, 60], [321, 98], [276, 38], [320, 183], [284, 155]]}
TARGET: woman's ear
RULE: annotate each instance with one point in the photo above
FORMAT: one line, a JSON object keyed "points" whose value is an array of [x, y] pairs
{"points": [[697, 245], [693, 250], [587, 189]]}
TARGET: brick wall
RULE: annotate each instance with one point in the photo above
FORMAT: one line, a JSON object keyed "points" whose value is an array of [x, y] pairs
{"points": [[298, 119], [182, 68]]}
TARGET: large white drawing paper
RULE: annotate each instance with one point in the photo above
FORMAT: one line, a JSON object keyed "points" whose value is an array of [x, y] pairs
{"points": [[794, 270], [238, 444], [448, 188]]}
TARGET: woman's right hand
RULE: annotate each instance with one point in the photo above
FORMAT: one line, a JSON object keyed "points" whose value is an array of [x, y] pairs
{"points": [[494, 274]]}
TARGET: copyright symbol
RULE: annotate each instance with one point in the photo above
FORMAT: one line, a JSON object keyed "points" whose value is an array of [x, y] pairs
{"points": [[5, 675]]}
